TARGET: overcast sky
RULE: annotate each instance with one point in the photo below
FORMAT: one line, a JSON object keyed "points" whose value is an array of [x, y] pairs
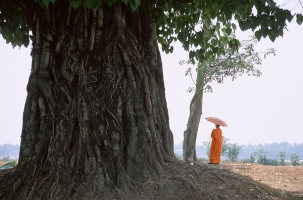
{"points": [[257, 110]]}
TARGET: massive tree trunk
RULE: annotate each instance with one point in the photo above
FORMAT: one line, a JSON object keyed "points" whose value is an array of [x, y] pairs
{"points": [[95, 117], [189, 142]]}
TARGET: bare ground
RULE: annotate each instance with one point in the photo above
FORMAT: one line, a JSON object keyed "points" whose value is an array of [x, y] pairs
{"points": [[224, 181], [288, 178]]}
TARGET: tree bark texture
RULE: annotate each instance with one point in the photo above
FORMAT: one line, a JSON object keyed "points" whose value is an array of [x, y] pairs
{"points": [[189, 142], [95, 117]]}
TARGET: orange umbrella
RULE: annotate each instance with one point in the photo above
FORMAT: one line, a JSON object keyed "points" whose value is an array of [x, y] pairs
{"points": [[216, 121]]}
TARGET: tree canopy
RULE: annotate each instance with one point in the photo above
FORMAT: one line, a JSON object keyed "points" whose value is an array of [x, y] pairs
{"points": [[197, 24]]}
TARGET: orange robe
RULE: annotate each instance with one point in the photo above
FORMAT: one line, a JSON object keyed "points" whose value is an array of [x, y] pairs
{"points": [[216, 146]]}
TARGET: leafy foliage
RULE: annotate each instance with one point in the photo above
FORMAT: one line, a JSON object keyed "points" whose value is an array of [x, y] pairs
{"points": [[44, 3], [13, 24], [197, 24], [94, 4], [233, 64]]}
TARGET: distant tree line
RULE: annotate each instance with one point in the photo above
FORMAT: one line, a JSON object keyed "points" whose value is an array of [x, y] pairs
{"points": [[261, 158], [273, 150], [9, 150]]}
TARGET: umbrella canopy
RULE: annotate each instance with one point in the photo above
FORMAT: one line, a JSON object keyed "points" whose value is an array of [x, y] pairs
{"points": [[216, 121]]}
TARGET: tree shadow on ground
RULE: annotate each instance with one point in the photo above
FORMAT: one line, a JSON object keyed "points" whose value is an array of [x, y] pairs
{"points": [[204, 181]]}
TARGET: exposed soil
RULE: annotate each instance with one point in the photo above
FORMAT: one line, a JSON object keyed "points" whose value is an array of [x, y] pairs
{"points": [[288, 178], [224, 181]]}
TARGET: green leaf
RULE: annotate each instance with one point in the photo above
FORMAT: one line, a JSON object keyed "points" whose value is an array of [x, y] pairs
{"points": [[75, 3], [244, 25], [264, 32], [45, 2], [171, 49], [89, 3], [258, 34], [288, 16], [191, 54], [299, 19], [228, 31], [272, 35], [180, 37], [228, 24], [25, 40], [234, 26], [134, 4], [186, 45], [196, 42]]}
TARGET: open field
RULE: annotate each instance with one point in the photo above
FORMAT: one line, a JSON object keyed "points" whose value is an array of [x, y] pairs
{"points": [[288, 178]]}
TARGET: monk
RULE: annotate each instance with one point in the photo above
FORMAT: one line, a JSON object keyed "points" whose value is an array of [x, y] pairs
{"points": [[216, 146]]}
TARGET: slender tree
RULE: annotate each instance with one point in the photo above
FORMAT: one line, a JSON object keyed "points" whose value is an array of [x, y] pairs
{"points": [[233, 64], [95, 117], [282, 156]]}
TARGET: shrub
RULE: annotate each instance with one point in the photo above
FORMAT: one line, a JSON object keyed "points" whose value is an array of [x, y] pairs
{"points": [[294, 160], [253, 157], [271, 162]]}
